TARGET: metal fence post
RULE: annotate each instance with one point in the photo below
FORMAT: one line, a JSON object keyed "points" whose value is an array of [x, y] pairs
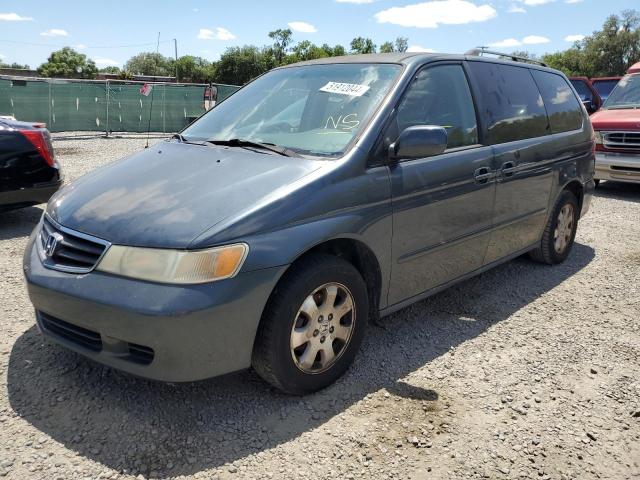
{"points": [[50, 112], [107, 93]]}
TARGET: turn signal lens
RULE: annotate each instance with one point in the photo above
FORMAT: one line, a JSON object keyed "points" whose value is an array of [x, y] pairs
{"points": [[174, 266], [598, 136]]}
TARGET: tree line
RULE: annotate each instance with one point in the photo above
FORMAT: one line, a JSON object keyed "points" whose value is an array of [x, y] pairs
{"points": [[606, 52], [237, 65]]}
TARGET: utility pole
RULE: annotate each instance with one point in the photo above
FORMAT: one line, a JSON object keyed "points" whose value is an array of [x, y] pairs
{"points": [[175, 45]]}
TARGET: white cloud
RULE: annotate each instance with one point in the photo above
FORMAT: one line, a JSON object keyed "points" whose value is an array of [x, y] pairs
{"points": [[359, 2], [195, 9], [431, 14], [55, 32], [219, 34], [574, 38], [535, 40], [573, 1], [80, 46], [418, 48], [13, 17], [516, 9], [507, 42], [535, 3], [2, 56], [302, 27], [106, 62]]}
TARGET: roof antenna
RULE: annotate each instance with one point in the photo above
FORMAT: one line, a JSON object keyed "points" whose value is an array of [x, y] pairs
{"points": [[155, 68]]}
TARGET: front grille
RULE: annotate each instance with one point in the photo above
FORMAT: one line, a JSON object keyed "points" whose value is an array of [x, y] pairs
{"points": [[621, 140], [72, 251], [80, 336]]}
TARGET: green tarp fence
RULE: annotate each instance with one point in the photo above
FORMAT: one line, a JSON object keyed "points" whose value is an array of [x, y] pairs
{"points": [[105, 105]]}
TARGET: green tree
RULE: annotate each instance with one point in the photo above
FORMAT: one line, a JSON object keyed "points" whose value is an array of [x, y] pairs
{"points": [[387, 47], [112, 70], [68, 63], [307, 50], [400, 44], [607, 52], [362, 45], [238, 65], [336, 51], [150, 63], [14, 65], [281, 41], [194, 69]]}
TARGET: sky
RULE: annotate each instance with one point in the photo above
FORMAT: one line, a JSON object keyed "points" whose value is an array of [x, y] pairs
{"points": [[111, 32]]}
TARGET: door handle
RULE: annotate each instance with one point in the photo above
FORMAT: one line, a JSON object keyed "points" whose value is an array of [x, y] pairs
{"points": [[508, 169], [482, 175]]}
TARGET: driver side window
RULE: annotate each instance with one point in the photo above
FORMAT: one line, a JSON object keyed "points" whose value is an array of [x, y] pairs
{"points": [[440, 96]]}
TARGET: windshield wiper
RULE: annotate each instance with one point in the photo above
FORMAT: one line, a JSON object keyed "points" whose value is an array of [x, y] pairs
{"points": [[622, 107], [239, 142]]}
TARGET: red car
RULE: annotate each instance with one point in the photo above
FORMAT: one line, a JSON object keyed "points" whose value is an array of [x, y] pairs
{"points": [[589, 95], [617, 131]]}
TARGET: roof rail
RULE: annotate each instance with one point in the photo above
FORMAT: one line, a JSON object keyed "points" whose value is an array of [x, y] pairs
{"points": [[480, 51]]}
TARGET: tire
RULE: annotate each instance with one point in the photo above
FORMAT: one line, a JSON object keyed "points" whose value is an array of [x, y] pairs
{"points": [[552, 251], [287, 321]]}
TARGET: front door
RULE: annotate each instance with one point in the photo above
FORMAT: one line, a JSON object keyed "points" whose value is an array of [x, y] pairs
{"points": [[442, 205]]}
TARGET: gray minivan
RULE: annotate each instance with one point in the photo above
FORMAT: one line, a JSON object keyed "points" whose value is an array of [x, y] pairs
{"points": [[319, 196]]}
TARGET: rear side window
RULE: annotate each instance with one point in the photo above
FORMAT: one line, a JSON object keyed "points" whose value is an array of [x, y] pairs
{"points": [[563, 109], [440, 96], [581, 88], [511, 103]]}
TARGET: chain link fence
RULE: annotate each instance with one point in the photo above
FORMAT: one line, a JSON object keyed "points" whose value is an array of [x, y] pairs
{"points": [[104, 105]]}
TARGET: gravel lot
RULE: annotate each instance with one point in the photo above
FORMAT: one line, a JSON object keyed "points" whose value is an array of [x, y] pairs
{"points": [[526, 371]]}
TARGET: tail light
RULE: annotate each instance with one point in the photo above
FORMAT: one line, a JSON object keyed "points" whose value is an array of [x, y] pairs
{"points": [[40, 140]]}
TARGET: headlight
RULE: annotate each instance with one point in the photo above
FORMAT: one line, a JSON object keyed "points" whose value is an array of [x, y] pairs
{"points": [[598, 137], [174, 266]]}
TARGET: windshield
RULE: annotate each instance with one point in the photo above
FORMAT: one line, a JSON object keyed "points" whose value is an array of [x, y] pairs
{"points": [[314, 109], [604, 87], [626, 94]]}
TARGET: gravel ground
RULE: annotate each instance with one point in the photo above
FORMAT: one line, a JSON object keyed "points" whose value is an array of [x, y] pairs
{"points": [[526, 371]]}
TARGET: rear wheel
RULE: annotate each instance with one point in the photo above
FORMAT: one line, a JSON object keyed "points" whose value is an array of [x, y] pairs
{"points": [[312, 326], [560, 231]]}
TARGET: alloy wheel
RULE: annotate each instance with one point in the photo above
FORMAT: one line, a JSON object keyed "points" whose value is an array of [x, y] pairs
{"points": [[322, 328], [564, 228]]}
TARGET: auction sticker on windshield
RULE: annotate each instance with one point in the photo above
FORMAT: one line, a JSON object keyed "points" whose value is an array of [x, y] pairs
{"points": [[352, 89]]}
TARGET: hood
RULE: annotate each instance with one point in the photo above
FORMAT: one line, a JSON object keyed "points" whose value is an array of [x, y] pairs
{"points": [[624, 119], [167, 195]]}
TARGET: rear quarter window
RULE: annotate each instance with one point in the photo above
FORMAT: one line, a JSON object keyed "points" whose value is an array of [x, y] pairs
{"points": [[563, 109], [511, 103]]}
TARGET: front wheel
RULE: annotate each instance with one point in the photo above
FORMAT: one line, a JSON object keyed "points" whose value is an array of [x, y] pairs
{"points": [[313, 325], [560, 231]]}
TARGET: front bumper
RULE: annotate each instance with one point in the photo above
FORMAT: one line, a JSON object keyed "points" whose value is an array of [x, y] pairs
{"points": [[621, 167], [172, 333]]}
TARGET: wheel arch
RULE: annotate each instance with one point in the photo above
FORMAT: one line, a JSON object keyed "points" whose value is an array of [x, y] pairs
{"points": [[574, 186], [357, 253]]}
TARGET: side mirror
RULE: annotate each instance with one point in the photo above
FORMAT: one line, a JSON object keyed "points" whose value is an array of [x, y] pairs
{"points": [[419, 141], [589, 105]]}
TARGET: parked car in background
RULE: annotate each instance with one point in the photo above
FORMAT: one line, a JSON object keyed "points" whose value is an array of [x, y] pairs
{"points": [[29, 172], [269, 232], [617, 130], [589, 96], [604, 85]]}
